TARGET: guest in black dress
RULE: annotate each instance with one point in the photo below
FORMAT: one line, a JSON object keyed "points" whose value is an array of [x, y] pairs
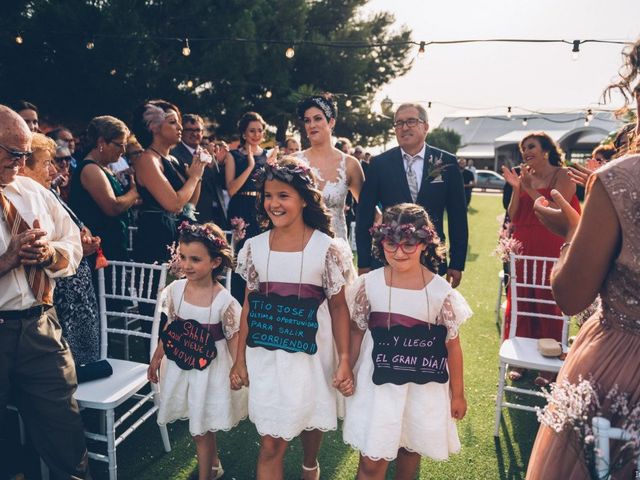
{"points": [[74, 297], [239, 167], [97, 197], [168, 188]]}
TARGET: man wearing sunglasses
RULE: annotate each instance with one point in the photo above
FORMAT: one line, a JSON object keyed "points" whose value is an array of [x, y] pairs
{"points": [[415, 172], [38, 243]]}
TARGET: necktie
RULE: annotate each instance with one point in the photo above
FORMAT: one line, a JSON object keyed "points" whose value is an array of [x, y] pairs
{"points": [[412, 179], [36, 276]]}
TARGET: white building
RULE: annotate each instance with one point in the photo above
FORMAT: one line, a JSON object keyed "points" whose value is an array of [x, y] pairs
{"points": [[492, 141]]}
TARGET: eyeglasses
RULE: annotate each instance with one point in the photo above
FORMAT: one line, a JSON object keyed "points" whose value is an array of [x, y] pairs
{"points": [[409, 122], [392, 247], [63, 159], [16, 154], [120, 145]]}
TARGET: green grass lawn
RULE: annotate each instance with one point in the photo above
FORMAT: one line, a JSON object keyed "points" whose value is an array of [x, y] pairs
{"points": [[482, 457]]}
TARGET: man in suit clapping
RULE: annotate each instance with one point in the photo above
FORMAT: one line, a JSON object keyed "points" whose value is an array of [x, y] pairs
{"points": [[415, 172]]}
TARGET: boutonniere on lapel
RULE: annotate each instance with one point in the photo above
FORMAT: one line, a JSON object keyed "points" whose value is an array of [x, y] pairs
{"points": [[435, 167]]}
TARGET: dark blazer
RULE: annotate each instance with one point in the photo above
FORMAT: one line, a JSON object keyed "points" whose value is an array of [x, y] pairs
{"points": [[182, 153], [386, 184], [210, 205]]}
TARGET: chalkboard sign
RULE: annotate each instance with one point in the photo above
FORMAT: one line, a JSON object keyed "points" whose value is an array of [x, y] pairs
{"points": [[415, 354], [283, 323], [189, 344]]}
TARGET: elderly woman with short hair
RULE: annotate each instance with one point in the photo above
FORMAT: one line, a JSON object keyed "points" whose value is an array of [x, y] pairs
{"points": [[97, 196], [74, 296]]}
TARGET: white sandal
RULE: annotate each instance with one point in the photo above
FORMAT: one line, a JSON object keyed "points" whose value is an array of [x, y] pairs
{"points": [[311, 469], [217, 472]]}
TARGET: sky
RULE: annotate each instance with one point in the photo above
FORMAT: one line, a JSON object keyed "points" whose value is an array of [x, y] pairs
{"points": [[469, 79]]}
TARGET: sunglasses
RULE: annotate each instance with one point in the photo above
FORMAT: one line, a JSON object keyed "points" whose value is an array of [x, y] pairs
{"points": [[16, 154], [63, 159], [392, 247]]}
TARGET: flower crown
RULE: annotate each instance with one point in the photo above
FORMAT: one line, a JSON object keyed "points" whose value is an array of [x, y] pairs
{"points": [[285, 173], [204, 232], [398, 232]]}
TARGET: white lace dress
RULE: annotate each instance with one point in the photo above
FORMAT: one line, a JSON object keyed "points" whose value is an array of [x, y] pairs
{"points": [[334, 194], [292, 392], [380, 419], [204, 397]]}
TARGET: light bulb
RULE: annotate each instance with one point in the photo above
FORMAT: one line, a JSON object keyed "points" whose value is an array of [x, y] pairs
{"points": [[186, 51], [467, 121], [575, 51], [509, 113], [113, 71], [268, 94], [589, 115], [524, 122], [369, 116], [189, 83], [586, 121], [289, 52], [421, 50], [429, 106], [348, 103], [19, 39], [90, 45]]}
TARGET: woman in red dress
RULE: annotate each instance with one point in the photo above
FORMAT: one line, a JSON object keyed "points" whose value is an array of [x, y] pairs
{"points": [[542, 170]]}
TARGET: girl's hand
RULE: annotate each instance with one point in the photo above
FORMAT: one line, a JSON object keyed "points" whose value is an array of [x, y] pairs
{"points": [[562, 221], [154, 366], [239, 376], [579, 174], [525, 178], [343, 379], [251, 161], [511, 177], [458, 407]]}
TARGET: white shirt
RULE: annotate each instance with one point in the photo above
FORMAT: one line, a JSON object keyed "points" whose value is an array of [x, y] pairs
{"points": [[418, 165], [33, 201]]}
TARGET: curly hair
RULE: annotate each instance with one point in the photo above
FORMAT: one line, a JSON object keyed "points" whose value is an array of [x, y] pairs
{"points": [[314, 214], [628, 73], [140, 124], [215, 250], [548, 145], [410, 213]]}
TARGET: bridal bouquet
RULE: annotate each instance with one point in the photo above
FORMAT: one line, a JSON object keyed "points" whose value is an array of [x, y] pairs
{"points": [[571, 408], [239, 228]]}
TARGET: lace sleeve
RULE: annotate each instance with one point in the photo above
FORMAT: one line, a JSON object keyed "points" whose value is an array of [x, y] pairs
{"points": [[338, 268], [167, 309], [246, 269], [358, 302], [231, 318], [454, 312]]}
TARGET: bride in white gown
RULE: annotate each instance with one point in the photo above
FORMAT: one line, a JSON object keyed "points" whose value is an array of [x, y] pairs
{"points": [[337, 173]]}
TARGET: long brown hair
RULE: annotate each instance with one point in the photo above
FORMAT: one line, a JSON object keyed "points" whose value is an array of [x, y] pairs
{"points": [[315, 213]]}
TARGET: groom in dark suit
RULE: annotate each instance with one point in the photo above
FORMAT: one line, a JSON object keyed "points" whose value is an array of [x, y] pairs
{"points": [[415, 172]]}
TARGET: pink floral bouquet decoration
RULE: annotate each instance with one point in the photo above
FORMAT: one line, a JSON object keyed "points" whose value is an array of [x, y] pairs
{"points": [[507, 244], [239, 227], [175, 265]]}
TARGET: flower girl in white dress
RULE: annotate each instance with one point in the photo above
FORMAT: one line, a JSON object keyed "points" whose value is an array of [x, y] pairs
{"points": [[409, 385], [200, 342]]}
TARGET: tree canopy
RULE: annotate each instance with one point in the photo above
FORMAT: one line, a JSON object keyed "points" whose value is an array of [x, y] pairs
{"points": [[237, 59], [444, 138]]}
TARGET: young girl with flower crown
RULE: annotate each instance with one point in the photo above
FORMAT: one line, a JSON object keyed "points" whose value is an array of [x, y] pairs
{"points": [[200, 342], [294, 319], [406, 350]]}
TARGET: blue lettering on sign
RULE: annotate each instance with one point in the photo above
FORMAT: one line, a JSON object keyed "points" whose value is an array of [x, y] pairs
{"points": [[283, 323]]}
